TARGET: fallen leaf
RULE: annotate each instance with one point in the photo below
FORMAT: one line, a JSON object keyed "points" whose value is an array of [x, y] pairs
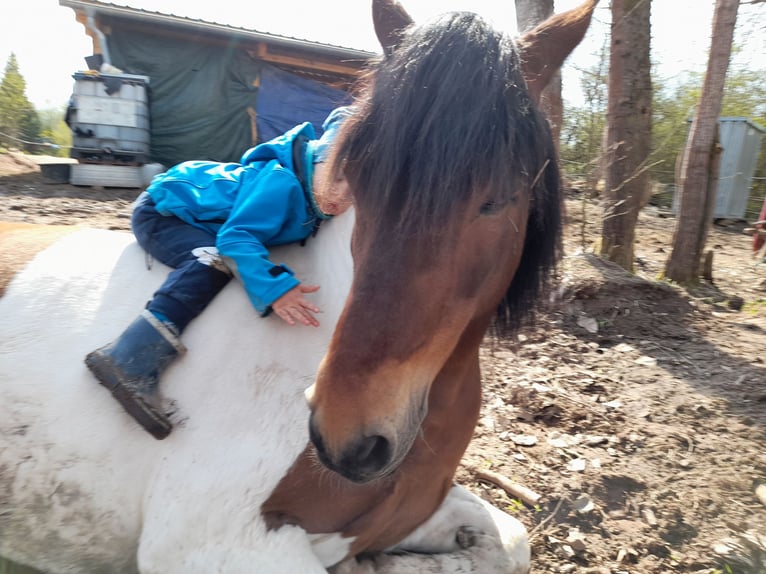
{"points": [[577, 465], [558, 439], [760, 492], [583, 504], [588, 323], [646, 361], [649, 516], [524, 439]]}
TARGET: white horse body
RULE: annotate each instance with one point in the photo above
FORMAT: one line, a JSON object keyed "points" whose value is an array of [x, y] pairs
{"points": [[83, 489], [91, 483]]}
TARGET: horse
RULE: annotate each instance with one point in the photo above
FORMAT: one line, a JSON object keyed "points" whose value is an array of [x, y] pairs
{"points": [[303, 450]]}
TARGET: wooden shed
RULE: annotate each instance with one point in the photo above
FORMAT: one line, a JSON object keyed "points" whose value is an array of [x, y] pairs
{"points": [[214, 90]]}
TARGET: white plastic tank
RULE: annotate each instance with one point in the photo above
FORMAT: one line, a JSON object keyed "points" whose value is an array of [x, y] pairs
{"points": [[109, 118]]}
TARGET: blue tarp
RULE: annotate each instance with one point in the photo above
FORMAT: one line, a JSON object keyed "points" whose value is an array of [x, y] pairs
{"points": [[284, 97]]}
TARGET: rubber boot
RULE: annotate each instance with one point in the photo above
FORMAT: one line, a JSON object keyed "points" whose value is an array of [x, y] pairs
{"points": [[130, 368]]}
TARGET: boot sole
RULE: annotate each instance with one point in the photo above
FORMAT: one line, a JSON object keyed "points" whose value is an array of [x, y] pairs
{"points": [[155, 423]]}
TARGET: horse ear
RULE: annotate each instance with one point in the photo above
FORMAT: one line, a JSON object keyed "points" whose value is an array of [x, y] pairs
{"points": [[390, 20], [544, 48]]}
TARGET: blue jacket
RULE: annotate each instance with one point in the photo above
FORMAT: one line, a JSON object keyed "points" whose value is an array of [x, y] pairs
{"points": [[250, 206]]}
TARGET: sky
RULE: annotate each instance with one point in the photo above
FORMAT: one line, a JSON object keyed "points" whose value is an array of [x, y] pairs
{"points": [[50, 45]]}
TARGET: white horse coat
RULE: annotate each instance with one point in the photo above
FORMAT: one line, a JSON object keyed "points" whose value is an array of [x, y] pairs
{"points": [[83, 489]]}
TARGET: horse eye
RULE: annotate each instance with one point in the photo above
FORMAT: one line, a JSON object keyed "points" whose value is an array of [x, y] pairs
{"points": [[490, 207]]}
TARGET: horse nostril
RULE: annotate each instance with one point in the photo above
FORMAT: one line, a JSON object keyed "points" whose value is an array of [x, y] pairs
{"points": [[372, 453], [360, 462]]}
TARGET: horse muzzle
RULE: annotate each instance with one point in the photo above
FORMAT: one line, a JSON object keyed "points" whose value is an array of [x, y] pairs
{"points": [[369, 453], [362, 460]]}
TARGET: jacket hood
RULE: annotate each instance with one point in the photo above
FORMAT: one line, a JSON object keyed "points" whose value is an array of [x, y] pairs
{"points": [[279, 148]]}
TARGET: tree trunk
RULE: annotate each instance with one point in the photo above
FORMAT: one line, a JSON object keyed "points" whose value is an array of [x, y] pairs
{"points": [[629, 129], [529, 13], [698, 185]]}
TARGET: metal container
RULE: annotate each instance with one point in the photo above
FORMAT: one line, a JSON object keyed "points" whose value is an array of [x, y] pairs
{"points": [[107, 175], [741, 142], [109, 118]]}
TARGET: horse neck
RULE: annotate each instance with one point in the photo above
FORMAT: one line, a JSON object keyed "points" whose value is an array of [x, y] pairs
{"points": [[321, 502]]}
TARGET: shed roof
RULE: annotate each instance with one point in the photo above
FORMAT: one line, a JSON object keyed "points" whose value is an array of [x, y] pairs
{"points": [[745, 120], [300, 54]]}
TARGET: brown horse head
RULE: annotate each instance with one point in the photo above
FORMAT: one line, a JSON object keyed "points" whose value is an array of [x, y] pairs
{"points": [[457, 201]]}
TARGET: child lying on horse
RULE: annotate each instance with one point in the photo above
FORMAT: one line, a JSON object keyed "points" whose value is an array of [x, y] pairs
{"points": [[210, 221]]}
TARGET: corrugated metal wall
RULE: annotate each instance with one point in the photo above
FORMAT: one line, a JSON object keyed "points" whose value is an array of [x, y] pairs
{"points": [[741, 142]]}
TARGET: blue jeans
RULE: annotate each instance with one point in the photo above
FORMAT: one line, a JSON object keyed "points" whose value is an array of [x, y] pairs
{"points": [[192, 284]]}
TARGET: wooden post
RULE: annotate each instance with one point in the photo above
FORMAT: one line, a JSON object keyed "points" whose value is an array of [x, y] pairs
{"points": [[707, 266]]}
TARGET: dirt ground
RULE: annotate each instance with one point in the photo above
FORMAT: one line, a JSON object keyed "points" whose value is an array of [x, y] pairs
{"points": [[634, 413]]}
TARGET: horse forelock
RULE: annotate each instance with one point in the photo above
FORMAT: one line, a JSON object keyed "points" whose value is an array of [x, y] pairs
{"points": [[446, 114], [542, 250]]}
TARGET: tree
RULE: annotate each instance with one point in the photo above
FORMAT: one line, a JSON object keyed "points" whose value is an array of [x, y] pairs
{"points": [[30, 125], [699, 166], [629, 128], [672, 108], [529, 13], [582, 128], [55, 130], [18, 119]]}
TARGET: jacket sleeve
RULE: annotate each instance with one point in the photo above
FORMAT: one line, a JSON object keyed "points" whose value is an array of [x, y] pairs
{"points": [[260, 212]]}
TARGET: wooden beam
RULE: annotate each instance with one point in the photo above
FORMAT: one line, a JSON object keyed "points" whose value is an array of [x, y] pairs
{"points": [[309, 64], [83, 19]]}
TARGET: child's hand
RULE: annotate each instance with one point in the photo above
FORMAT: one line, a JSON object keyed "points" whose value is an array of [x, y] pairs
{"points": [[293, 306]]}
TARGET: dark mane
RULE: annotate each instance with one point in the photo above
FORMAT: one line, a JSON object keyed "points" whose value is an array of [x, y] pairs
{"points": [[448, 113]]}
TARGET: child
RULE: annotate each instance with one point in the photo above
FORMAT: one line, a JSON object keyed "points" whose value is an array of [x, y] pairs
{"points": [[210, 221]]}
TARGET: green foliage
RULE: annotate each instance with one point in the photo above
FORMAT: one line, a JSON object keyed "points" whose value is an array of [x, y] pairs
{"points": [[514, 506], [55, 130], [18, 118], [581, 137], [30, 126], [583, 127], [672, 108], [745, 96], [20, 122]]}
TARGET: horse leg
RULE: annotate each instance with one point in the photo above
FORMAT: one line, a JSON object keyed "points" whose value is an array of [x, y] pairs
{"points": [[486, 556], [464, 535], [287, 550]]}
